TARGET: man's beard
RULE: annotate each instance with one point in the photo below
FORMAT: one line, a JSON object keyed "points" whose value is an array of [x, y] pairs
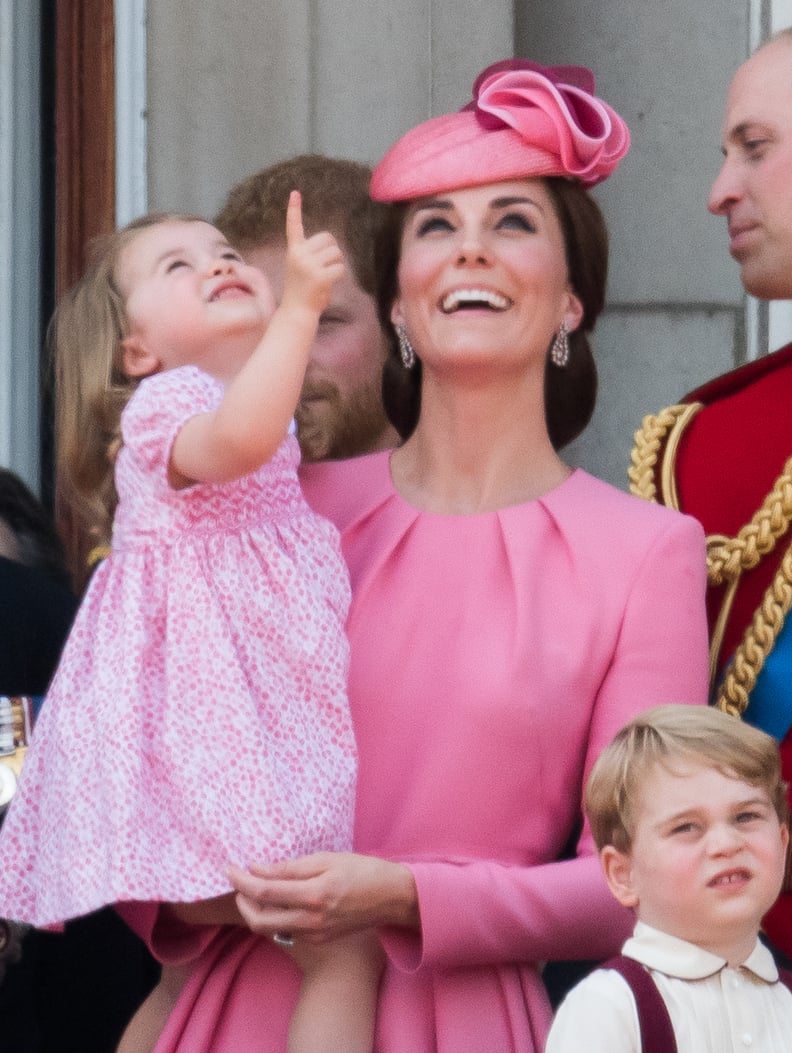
{"points": [[331, 427]]}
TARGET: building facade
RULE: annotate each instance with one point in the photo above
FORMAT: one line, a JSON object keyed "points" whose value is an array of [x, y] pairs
{"points": [[206, 94]]}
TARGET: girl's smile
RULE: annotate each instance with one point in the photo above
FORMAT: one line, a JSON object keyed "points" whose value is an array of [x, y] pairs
{"points": [[190, 300]]}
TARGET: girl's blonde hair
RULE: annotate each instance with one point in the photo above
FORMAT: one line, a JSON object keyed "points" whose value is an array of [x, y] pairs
{"points": [[671, 735], [91, 390]]}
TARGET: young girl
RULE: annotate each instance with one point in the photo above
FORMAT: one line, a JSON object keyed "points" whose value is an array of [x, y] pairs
{"points": [[198, 717]]}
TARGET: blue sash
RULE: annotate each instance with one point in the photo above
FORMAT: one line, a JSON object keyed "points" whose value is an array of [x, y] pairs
{"points": [[770, 704]]}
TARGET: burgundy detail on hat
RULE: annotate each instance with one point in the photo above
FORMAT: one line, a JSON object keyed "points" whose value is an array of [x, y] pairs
{"points": [[524, 120]]}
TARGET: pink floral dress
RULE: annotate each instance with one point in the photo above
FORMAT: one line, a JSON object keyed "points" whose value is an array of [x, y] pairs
{"points": [[199, 714]]}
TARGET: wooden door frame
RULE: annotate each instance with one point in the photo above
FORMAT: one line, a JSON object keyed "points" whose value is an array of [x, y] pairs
{"points": [[84, 132], [84, 166]]}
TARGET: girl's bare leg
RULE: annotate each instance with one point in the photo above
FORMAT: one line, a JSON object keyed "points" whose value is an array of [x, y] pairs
{"points": [[145, 1027], [338, 997]]}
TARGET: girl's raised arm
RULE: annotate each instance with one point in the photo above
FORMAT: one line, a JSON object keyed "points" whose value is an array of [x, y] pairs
{"points": [[253, 418]]}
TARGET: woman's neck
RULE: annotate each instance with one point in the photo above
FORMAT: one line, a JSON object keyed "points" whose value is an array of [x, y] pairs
{"points": [[477, 450]]}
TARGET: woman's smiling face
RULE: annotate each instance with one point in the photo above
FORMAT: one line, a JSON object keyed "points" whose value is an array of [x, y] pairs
{"points": [[483, 278]]}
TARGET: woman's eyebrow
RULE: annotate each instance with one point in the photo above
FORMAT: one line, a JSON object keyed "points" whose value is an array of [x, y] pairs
{"points": [[433, 203], [507, 202]]}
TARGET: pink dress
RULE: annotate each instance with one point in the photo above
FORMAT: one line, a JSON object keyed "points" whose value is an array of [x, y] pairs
{"points": [[492, 658], [199, 714]]}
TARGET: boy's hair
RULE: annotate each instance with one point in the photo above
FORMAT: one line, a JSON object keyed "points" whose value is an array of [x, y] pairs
{"points": [[91, 390], [334, 197], [669, 735]]}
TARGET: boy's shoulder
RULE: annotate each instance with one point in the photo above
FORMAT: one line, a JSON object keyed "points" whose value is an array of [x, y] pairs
{"points": [[620, 1008], [599, 1015]]}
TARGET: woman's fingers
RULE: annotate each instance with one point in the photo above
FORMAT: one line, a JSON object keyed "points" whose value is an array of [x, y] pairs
{"points": [[327, 893], [258, 885]]}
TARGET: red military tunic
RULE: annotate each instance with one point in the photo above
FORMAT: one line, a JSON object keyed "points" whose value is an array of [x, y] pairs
{"points": [[729, 456]]}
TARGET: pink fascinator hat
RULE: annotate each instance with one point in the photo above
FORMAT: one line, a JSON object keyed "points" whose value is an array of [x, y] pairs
{"points": [[524, 120]]}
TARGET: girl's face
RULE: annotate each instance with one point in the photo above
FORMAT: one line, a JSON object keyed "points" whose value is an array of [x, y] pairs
{"points": [[483, 277], [190, 300]]}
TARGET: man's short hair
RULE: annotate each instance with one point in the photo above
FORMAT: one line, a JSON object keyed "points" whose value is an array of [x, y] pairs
{"points": [[671, 736], [334, 197]]}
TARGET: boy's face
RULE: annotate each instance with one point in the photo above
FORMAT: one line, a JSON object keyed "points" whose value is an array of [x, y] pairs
{"points": [[707, 859]]}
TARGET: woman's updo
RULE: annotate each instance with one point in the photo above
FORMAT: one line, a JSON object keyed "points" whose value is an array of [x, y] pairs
{"points": [[571, 391]]}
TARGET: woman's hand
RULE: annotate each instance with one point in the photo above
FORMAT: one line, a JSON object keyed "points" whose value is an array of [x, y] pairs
{"points": [[326, 895]]}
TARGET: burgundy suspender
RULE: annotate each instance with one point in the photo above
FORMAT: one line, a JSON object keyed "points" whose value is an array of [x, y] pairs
{"points": [[657, 1032]]}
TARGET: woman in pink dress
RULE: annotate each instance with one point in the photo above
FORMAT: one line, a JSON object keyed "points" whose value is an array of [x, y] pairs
{"points": [[509, 613]]}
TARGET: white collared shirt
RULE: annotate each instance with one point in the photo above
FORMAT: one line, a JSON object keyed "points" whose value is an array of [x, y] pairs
{"points": [[713, 1008]]}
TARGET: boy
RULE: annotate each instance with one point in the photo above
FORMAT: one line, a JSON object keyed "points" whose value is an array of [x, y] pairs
{"points": [[688, 811]]}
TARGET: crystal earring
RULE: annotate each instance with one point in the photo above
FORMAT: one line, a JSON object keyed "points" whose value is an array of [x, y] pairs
{"points": [[559, 351], [406, 350]]}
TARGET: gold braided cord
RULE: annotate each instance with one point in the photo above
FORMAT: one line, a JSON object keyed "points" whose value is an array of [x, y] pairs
{"points": [[668, 486], [758, 641], [649, 440], [728, 557]]}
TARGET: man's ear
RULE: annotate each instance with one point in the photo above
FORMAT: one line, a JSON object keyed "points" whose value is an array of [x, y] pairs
{"points": [[617, 867], [136, 359]]}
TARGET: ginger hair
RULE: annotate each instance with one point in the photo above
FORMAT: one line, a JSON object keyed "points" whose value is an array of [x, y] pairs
{"points": [[334, 197]]}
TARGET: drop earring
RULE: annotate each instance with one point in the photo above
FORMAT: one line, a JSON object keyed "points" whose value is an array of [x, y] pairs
{"points": [[406, 350], [559, 351]]}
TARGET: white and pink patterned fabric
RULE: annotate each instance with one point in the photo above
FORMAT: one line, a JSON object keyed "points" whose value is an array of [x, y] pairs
{"points": [[199, 714]]}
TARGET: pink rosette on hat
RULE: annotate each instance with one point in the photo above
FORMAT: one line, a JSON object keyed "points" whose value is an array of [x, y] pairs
{"points": [[525, 120]]}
